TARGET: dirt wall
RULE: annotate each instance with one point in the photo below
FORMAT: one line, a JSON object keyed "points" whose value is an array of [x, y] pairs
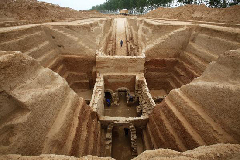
{"points": [[115, 82], [117, 64], [203, 112], [31, 127], [219, 91]]}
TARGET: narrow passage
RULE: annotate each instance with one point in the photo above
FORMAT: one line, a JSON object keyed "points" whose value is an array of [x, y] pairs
{"points": [[121, 35], [121, 145]]}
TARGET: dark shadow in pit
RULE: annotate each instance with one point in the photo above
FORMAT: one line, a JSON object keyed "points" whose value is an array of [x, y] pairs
{"points": [[121, 143]]}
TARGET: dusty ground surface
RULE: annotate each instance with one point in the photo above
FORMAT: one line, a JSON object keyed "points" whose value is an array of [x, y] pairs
{"points": [[33, 11], [121, 147], [122, 110], [198, 12], [203, 112], [29, 121], [121, 35], [214, 152], [52, 157], [218, 151]]}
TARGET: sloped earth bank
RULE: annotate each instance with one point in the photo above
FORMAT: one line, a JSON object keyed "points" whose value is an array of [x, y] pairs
{"points": [[192, 69], [17, 12], [41, 113], [214, 152], [199, 13]]}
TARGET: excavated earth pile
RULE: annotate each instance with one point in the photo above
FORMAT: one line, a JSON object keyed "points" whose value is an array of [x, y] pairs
{"points": [[69, 89], [19, 12], [199, 13]]}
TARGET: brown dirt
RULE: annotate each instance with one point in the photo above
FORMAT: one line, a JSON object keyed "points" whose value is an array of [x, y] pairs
{"points": [[38, 12], [198, 12], [218, 151]]}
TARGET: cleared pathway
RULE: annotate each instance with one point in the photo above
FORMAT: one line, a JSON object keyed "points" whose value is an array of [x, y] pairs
{"points": [[121, 35]]}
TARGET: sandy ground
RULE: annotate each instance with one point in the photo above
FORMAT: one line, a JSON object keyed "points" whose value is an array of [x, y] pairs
{"points": [[199, 13], [121, 35], [158, 93], [37, 12], [86, 94], [122, 110], [121, 145]]}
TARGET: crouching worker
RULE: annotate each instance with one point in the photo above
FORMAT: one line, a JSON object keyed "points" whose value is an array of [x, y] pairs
{"points": [[108, 102]]}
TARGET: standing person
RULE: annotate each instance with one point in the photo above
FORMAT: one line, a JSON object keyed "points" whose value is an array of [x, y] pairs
{"points": [[121, 43]]}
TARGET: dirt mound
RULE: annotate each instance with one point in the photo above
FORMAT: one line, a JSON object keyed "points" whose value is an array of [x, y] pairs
{"points": [[37, 12], [198, 12], [217, 151]]}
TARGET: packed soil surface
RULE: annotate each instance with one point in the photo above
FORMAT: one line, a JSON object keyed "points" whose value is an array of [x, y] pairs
{"points": [[198, 12], [123, 109], [121, 35], [37, 12]]}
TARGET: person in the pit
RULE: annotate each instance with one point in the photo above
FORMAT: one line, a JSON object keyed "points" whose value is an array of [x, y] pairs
{"points": [[108, 102], [121, 43]]}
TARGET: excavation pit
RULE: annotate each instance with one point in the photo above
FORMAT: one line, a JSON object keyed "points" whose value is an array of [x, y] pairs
{"points": [[122, 109], [158, 68], [120, 91]]}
